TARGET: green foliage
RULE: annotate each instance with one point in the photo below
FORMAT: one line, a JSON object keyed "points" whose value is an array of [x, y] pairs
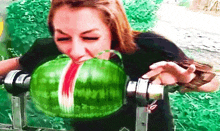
{"points": [[2, 57], [27, 21], [196, 111], [38, 119], [141, 13], [13, 53], [185, 3], [5, 111]]}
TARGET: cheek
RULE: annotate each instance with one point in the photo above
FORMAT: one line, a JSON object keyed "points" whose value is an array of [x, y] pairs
{"points": [[106, 44], [108, 39], [64, 49], [102, 45]]}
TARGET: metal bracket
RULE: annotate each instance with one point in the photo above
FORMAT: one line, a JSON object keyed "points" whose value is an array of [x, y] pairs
{"points": [[144, 91], [141, 119], [19, 119]]}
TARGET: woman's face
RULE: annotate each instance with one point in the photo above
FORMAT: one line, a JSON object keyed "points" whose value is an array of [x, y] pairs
{"points": [[81, 33]]}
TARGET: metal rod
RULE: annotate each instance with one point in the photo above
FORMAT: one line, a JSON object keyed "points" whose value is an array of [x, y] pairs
{"points": [[19, 119]]}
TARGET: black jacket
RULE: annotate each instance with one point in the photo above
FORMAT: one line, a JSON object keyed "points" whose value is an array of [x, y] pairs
{"points": [[151, 48]]}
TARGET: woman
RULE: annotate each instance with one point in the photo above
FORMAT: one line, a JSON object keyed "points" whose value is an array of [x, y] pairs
{"points": [[83, 28]]}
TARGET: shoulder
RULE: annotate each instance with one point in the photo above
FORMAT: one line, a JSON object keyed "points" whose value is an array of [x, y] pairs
{"points": [[44, 41], [150, 41], [153, 40], [42, 50], [42, 44]]}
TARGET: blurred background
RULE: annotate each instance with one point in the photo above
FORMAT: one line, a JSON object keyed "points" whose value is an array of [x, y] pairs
{"points": [[192, 24]]}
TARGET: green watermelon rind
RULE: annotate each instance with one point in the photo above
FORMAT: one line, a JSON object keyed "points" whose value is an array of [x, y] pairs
{"points": [[39, 73], [81, 111], [104, 108]]}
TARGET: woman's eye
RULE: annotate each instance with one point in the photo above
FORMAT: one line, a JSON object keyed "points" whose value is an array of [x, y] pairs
{"points": [[90, 38], [63, 39]]}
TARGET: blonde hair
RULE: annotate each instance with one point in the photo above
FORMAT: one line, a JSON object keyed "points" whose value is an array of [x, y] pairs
{"points": [[114, 17]]}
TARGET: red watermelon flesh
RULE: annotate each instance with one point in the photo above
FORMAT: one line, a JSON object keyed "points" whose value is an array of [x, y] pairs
{"points": [[67, 86]]}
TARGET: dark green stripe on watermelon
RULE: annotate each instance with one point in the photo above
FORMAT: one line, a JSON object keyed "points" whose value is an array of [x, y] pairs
{"points": [[99, 88]]}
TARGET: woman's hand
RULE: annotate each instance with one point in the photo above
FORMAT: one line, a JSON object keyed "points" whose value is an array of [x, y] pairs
{"points": [[169, 73]]}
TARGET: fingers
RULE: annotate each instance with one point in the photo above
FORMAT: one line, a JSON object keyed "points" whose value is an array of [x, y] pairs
{"points": [[156, 69], [157, 81], [152, 73], [171, 73], [158, 64], [161, 66], [188, 75], [169, 66], [191, 69]]}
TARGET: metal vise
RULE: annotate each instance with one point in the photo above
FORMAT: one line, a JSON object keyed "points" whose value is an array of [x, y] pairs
{"points": [[17, 83]]}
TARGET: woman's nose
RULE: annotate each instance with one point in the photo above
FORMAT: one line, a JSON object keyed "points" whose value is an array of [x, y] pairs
{"points": [[77, 50]]}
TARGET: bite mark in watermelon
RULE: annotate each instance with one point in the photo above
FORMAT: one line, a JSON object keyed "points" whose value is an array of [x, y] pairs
{"points": [[67, 86]]}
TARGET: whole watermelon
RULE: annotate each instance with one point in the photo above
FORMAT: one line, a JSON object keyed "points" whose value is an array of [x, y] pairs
{"points": [[93, 89]]}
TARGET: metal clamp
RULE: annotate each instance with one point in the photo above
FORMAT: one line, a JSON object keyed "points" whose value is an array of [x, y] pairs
{"points": [[17, 83]]}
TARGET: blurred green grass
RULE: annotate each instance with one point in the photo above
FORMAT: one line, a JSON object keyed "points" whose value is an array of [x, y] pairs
{"points": [[5, 107], [192, 111], [196, 111], [35, 118], [185, 3]]}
